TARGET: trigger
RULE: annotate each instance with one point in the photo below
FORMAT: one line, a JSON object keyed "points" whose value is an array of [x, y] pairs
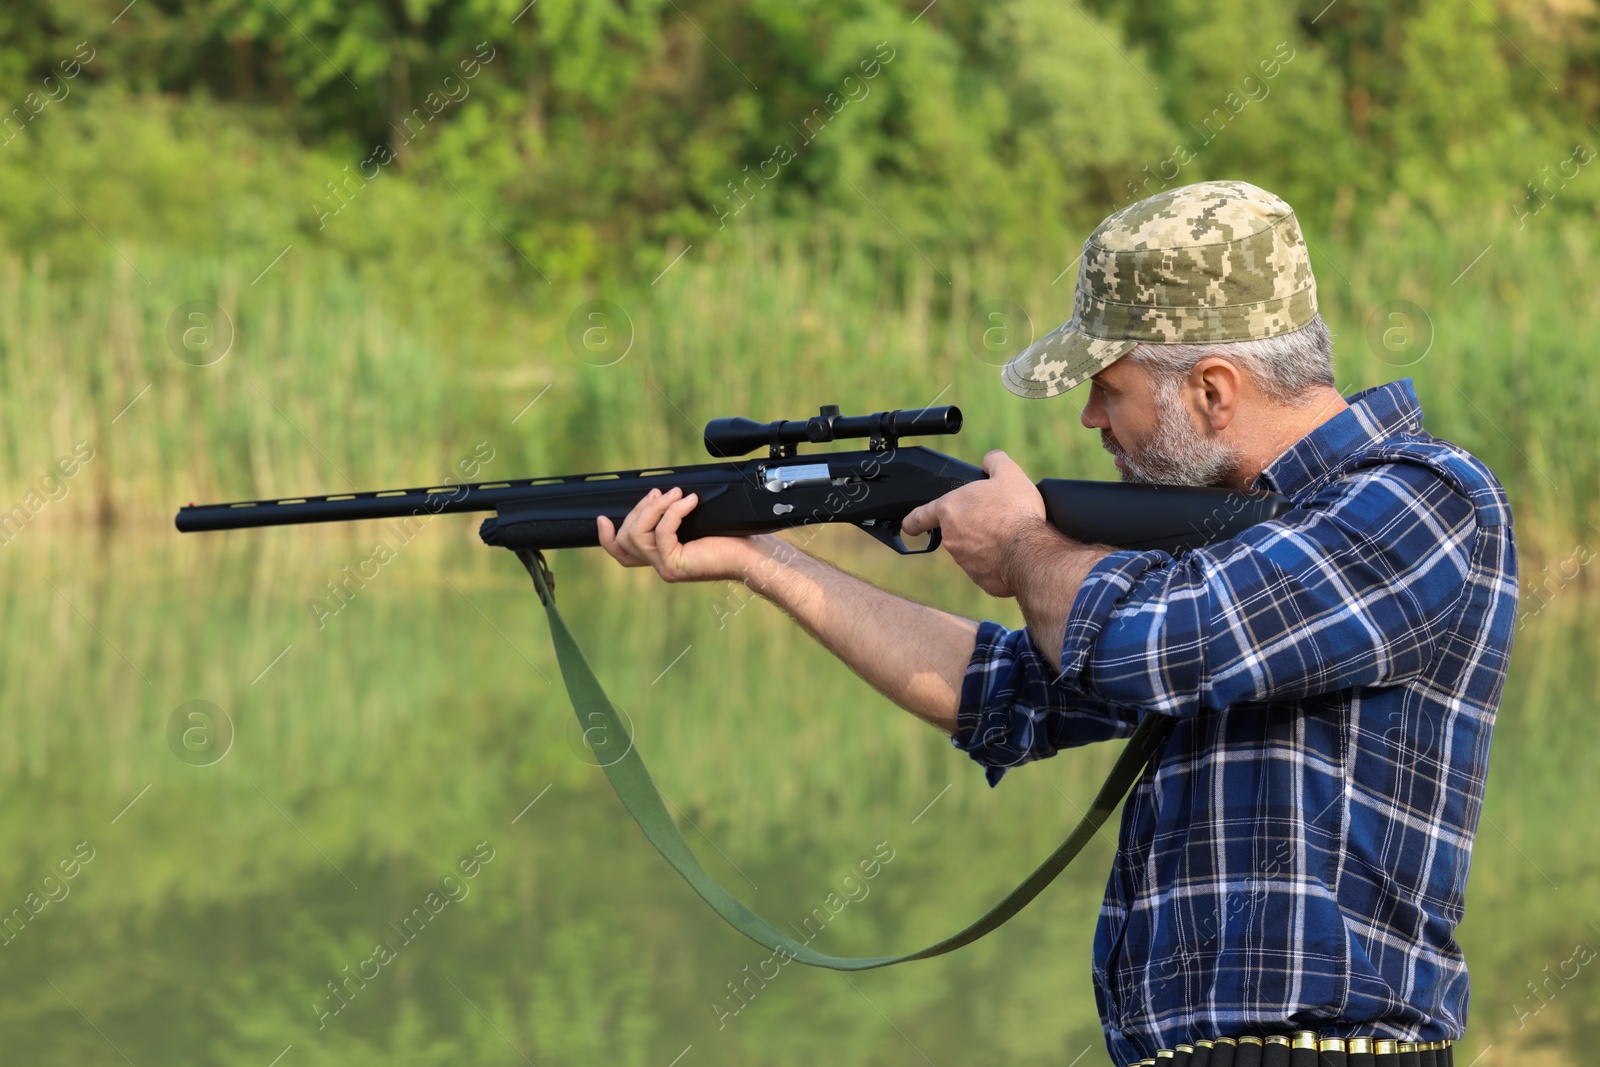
{"points": [[889, 533]]}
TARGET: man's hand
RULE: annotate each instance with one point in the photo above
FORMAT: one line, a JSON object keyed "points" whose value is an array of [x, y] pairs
{"points": [[648, 537], [979, 521]]}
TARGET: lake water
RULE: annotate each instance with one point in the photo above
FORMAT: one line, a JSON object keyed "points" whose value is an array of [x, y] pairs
{"points": [[252, 823]]}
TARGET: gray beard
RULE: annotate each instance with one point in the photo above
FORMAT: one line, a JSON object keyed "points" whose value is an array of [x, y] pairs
{"points": [[1177, 453]]}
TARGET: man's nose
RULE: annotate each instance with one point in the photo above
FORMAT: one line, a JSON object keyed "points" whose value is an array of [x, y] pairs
{"points": [[1094, 414]]}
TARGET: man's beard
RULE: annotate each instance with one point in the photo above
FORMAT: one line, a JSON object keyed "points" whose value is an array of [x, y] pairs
{"points": [[1177, 453]]}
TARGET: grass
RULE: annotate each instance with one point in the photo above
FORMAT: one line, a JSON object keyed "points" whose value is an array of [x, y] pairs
{"points": [[334, 381]]}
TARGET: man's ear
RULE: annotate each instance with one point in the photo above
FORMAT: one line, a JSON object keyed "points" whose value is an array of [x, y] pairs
{"points": [[1215, 385]]}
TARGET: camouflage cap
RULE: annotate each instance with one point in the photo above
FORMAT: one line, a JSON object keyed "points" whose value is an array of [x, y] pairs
{"points": [[1213, 261]]}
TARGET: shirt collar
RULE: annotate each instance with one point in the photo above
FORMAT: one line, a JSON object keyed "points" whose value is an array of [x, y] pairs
{"points": [[1373, 415]]}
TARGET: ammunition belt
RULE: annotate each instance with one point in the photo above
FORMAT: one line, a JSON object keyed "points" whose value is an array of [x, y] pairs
{"points": [[1305, 1049]]}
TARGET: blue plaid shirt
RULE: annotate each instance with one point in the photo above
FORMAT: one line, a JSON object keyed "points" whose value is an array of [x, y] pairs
{"points": [[1295, 856]]}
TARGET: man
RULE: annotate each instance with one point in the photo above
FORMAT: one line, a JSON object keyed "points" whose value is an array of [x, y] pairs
{"points": [[1295, 855]]}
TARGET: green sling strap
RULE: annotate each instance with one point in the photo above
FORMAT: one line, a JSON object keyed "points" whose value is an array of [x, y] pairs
{"points": [[623, 767]]}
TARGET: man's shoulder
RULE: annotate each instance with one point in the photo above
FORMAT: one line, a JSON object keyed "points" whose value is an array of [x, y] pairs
{"points": [[1420, 462], [1392, 436]]}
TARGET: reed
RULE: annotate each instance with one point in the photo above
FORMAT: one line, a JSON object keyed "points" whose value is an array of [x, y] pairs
{"points": [[336, 379]]}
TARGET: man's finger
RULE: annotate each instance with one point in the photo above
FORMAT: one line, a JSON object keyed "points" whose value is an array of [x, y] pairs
{"points": [[667, 528], [996, 460], [641, 539], [922, 519], [630, 521], [667, 545], [608, 541]]}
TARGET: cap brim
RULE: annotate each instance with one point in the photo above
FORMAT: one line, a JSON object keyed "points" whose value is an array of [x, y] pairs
{"points": [[1061, 359]]}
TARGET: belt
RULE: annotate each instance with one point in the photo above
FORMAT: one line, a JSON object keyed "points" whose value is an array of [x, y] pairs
{"points": [[1305, 1049]]}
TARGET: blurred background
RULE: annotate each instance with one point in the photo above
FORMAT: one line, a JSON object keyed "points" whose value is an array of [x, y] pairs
{"points": [[259, 248]]}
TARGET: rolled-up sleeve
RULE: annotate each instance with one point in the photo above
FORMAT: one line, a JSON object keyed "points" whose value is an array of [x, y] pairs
{"points": [[1349, 591], [1012, 711]]}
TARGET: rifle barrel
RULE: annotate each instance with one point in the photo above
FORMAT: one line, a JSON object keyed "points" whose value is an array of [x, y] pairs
{"points": [[339, 507], [397, 503]]}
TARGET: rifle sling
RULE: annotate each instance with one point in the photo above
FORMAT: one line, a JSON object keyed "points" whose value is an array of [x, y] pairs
{"points": [[619, 758]]}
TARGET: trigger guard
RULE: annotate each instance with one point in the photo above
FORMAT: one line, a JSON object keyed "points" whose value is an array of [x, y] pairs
{"points": [[890, 535]]}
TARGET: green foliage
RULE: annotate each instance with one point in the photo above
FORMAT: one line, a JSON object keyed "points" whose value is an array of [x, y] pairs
{"points": [[841, 220], [599, 139], [342, 379], [398, 205]]}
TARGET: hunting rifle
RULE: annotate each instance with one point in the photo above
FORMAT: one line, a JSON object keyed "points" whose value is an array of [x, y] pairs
{"points": [[874, 489]]}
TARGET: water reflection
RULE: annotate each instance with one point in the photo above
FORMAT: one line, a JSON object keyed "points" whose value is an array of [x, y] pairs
{"points": [[369, 835]]}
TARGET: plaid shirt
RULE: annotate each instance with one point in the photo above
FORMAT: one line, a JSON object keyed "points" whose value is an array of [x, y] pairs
{"points": [[1295, 856]]}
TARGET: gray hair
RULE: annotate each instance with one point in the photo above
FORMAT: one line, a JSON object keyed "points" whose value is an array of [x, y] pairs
{"points": [[1285, 367]]}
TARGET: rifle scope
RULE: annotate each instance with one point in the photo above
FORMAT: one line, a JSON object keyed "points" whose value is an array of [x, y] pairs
{"points": [[726, 438]]}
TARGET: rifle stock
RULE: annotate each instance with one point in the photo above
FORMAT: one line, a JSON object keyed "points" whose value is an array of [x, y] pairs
{"points": [[1173, 518]]}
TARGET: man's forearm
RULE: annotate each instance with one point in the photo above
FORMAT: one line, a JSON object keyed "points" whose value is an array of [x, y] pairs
{"points": [[913, 654], [1047, 568]]}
